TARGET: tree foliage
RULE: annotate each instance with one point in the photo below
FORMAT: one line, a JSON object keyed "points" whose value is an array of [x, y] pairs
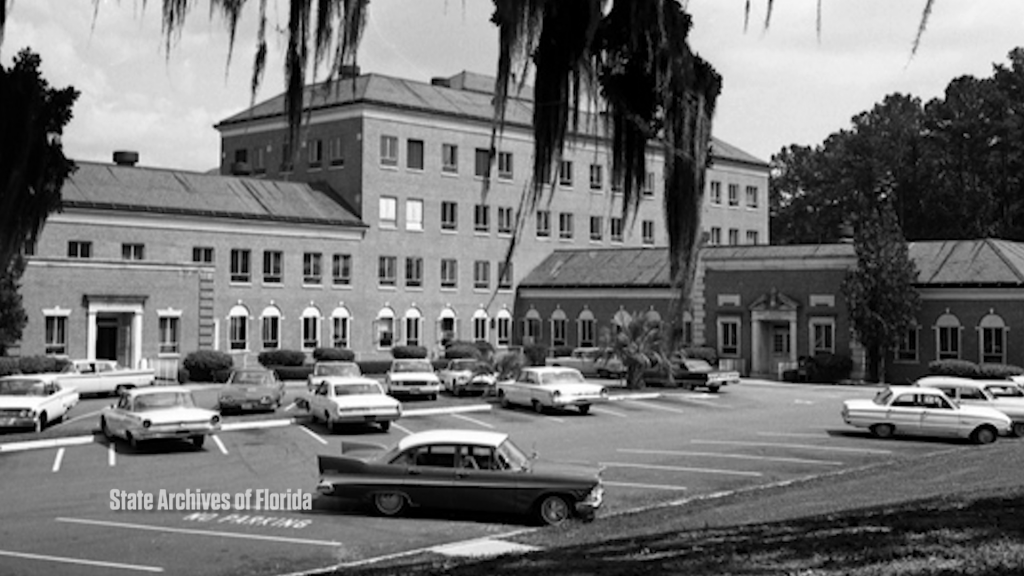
{"points": [[880, 296], [640, 343], [12, 314]]}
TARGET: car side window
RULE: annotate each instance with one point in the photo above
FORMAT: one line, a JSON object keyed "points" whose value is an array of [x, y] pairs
{"points": [[124, 403], [932, 401], [435, 456], [905, 401], [972, 394], [86, 368], [478, 458], [321, 390]]}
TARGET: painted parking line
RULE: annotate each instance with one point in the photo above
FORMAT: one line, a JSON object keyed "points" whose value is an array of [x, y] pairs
{"points": [[681, 469], [57, 460], [219, 444], [290, 407], [644, 486], [49, 443], [446, 410], [256, 424], [659, 407], [80, 416], [732, 456], [609, 412], [820, 435], [193, 531], [473, 420], [315, 436], [799, 446], [401, 428], [111, 455], [80, 561]]}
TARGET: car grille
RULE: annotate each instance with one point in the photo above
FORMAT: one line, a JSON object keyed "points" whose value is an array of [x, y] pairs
{"points": [[10, 412]]}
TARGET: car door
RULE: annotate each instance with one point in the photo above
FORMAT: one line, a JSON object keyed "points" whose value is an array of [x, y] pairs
{"points": [[318, 403], [430, 474], [905, 413], [62, 397], [117, 418], [938, 416]]}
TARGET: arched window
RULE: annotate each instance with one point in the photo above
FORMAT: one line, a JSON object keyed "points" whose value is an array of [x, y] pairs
{"points": [[504, 322], [531, 327], [238, 328], [586, 336], [341, 327], [947, 337], [385, 328], [993, 338], [270, 328], [447, 325], [311, 328], [558, 336], [480, 320], [413, 327], [652, 315], [621, 320]]}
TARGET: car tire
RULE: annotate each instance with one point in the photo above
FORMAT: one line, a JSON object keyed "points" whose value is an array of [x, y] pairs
{"points": [[713, 389], [198, 441], [105, 428], [984, 435], [1018, 429], [883, 430], [331, 425], [385, 425], [538, 407], [389, 503], [133, 441], [584, 408], [553, 510], [41, 422], [503, 400]]}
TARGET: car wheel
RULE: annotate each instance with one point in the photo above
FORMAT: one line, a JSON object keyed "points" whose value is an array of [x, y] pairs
{"points": [[538, 407], [504, 400], [105, 428], [389, 503], [553, 510], [883, 430], [713, 388], [133, 441], [385, 426], [984, 435], [198, 440], [1018, 429], [331, 425], [41, 422], [456, 391], [584, 408], [433, 396]]}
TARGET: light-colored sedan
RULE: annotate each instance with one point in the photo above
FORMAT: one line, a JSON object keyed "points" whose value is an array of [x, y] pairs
{"points": [[353, 400], [551, 387], [464, 375], [924, 411], [34, 400], [251, 389], [158, 412], [412, 377], [998, 394], [325, 370]]}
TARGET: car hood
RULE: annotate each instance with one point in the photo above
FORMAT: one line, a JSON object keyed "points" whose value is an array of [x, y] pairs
{"points": [[21, 402], [172, 415], [584, 471], [413, 377]]}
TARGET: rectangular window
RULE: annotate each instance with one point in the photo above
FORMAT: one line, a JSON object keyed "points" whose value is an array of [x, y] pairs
{"points": [[616, 231], [259, 160], [586, 333], [242, 156], [311, 268], [389, 151], [316, 153], [729, 337], [133, 252], [558, 331], [341, 269], [414, 214], [716, 236], [993, 349], [596, 177], [504, 219], [388, 212], [482, 218], [449, 273], [481, 162], [716, 192], [79, 249], [751, 236], [414, 154], [906, 350], [238, 333], [56, 335], [449, 215], [504, 330], [734, 194], [202, 255], [565, 173], [240, 270], [310, 332], [270, 332], [450, 158], [505, 165], [385, 332], [565, 225], [949, 342], [504, 276], [480, 329], [734, 236], [412, 330], [596, 228], [648, 187], [386, 270], [647, 228], [481, 275], [273, 267], [169, 342], [751, 196], [414, 272], [823, 336], [543, 223], [339, 331], [335, 153]]}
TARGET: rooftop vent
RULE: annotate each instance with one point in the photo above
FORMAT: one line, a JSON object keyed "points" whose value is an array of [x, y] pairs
{"points": [[126, 157], [440, 81], [349, 71]]}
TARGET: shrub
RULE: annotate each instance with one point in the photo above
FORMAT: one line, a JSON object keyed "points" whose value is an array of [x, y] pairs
{"points": [[207, 365], [374, 366], [998, 371], [409, 352], [282, 358], [334, 354], [961, 368], [40, 364], [509, 364], [829, 368], [461, 349], [535, 354], [183, 375], [702, 353], [485, 348], [8, 366], [294, 372]]}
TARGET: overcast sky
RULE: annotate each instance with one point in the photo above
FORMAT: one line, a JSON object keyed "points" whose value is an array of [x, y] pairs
{"points": [[781, 86]]}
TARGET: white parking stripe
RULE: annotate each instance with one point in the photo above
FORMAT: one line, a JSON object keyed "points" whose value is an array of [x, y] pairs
{"points": [[80, 416], [403, 429], [220, 444], [644, 486], [794, 434], [290, 407], [199, 532], [473, 420], [111, 455], [658, 407], [800, 446], [57, 459], [735, 456], [80, 561], [315, 436], [612, 412], [680, 469]]}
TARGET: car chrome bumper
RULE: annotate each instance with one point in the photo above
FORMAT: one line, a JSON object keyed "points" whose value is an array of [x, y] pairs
{"points": [[17, 422], [356, 417], [165, 431], [588, 507]]}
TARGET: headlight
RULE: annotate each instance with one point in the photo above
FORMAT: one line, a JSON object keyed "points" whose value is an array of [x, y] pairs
{"points": [[556, 394], [26, 414], [146, 423], [215, 419], [604, 392]]}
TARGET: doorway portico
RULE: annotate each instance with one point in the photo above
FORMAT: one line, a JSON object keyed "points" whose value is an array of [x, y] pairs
{"points": [[114, 330], [773, 332]]}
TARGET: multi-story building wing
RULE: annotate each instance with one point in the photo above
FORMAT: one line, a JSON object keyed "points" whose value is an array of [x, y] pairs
{"points": [[411, 158]]}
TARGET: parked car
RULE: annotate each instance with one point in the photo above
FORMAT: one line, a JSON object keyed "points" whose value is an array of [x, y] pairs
{"points": [[691, 373], [326, 370], [590, 361], [251, 389], [982, 393], [34, 400], [924, 411], [103, 377], [551, 387], [467, 375], [352, 400], [472, 470], [159, 412], [412, 377]]}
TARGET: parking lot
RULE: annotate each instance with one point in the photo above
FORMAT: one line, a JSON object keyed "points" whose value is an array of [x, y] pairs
{"points": [[654, 448]]}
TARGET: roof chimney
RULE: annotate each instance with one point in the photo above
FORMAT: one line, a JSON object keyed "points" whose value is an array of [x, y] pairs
{"points": [[126, 157], [349, 71]]}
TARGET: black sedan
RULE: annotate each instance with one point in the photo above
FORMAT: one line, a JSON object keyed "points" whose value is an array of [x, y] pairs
{"points": [[690, 373], [480, 471]]}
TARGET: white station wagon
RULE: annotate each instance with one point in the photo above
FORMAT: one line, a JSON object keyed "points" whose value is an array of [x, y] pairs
{"points": [[551, 387], [924, 411]]}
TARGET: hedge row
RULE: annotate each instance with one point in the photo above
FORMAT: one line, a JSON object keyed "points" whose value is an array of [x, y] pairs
{"points": [[968, 369], [31, 365]]}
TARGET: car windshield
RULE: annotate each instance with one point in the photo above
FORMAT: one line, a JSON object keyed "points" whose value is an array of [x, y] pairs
{"points": [[464, 364], [512, 457], [1005, 391], [353, 389], [561, 377], [411, 366], [21, 387], [338, 370], [697, 365], [162, 400], [883, 397], [249, 378]]}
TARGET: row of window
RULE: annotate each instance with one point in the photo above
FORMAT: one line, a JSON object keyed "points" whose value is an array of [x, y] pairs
{"points": [[715, 193], [948, 334], [55, 334], [714, 236]]}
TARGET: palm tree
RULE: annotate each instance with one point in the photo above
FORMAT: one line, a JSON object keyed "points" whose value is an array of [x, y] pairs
{"points": [[640, 343]]}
